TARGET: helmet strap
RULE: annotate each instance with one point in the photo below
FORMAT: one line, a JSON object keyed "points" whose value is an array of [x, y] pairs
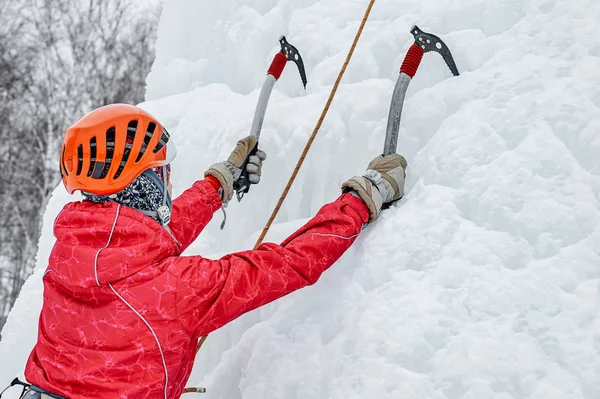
{"points": [[164, 211]]}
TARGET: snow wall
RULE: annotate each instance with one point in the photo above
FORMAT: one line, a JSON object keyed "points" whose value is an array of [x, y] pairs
{"points": [[483, 282]]}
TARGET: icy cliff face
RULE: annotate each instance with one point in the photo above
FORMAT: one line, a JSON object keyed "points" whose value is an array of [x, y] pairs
{"points": [[482, 282]]}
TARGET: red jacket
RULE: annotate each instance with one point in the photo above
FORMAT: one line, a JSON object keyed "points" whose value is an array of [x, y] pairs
{"points": [[123, 311]]}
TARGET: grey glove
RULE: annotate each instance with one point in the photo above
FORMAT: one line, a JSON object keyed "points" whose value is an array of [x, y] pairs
{"points": [[228, 172], [382, 183]]}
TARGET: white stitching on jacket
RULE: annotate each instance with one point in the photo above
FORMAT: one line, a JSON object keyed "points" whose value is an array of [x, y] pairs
{"points": [[112, 230], [162, 355], [333, 235], [322, 235]]}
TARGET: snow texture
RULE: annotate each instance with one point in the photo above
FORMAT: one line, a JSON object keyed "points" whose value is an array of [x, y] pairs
{"points": [[483, 282]]}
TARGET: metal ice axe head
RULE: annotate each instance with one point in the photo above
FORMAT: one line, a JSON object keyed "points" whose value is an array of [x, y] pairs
{"points": [[287, 53], [427, 42]]}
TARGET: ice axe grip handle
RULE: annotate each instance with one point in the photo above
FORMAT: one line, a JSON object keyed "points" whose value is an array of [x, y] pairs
{"points": [[412, 60], [277, 65], [242, 184]]}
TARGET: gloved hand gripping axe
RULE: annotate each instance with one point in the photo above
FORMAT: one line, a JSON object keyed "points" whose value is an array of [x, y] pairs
{"points": [[424, 43], [287, 53]]}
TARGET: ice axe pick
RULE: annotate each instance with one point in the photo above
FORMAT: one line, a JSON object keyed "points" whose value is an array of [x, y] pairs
{"points": [[287, 53], [424, 43]]}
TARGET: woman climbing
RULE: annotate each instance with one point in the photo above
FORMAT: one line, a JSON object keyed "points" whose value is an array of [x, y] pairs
{"points": [[123, 310]]}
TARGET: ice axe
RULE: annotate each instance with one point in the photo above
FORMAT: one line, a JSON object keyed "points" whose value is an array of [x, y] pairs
{"points": [[287, 53], [242, 185], [424, 43]]}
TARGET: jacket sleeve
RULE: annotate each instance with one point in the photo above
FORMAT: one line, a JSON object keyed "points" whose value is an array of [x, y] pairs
{"points": [[192, 211], [214, 292]]}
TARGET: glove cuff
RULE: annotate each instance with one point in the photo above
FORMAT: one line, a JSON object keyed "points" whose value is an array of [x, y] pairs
{"points": [[367, 192], [224, 175]]}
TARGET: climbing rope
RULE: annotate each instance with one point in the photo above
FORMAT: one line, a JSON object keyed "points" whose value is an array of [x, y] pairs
{"points": [[316, 129], [304, 153]]}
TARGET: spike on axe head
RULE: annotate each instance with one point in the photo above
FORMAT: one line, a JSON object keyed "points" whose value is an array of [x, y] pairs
{"points": [[430, 42], [292, 54]]}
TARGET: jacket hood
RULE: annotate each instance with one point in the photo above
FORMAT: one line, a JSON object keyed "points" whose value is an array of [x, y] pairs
{"points": [[98, 244]]}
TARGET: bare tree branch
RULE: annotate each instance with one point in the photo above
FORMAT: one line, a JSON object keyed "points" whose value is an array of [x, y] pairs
{"points": [[58, 60]]}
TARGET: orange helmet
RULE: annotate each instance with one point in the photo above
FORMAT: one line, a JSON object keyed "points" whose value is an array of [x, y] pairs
{"points": [[103, 152]]}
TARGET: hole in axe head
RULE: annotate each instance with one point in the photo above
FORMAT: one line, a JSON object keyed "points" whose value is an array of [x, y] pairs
{"points": [[430, 42]]}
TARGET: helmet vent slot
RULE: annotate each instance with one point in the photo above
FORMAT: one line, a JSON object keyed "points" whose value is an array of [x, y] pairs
{"points": [[110, 151], [131, 129], [62, 160], [92, 156], [164, 139], [79, 159], [147, 138]]}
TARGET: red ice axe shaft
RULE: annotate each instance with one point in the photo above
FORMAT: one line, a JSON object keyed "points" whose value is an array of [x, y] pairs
{"points": [[424, 42]]}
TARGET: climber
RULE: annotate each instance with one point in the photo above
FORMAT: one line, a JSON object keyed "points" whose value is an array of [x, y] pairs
{"points": [[123, 310]]}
